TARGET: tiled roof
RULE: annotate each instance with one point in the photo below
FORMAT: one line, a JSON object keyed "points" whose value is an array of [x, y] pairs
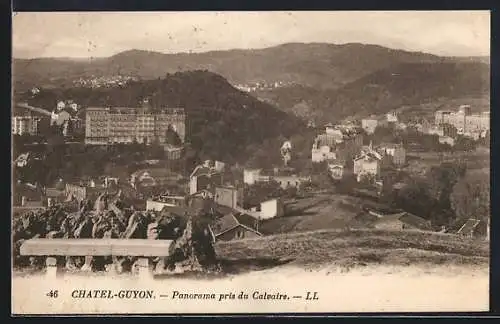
{"points": [[246, 220], [224, 223], [336, 162], [371, 154], [232, 220]]}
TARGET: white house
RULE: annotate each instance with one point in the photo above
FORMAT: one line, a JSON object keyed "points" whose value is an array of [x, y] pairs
{"points": [[336, 169], [61, 105], [251, 176], [272, 208], [367, 163], [322, 153]]}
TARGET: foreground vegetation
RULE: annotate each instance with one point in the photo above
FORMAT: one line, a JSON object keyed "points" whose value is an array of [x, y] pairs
{"points": [[345, 248]]}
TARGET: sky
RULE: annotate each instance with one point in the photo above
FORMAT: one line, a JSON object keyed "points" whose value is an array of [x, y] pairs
{"points": [[102, 34]]}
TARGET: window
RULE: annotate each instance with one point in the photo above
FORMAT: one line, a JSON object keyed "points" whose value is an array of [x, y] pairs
{"points": [[240, 234]]}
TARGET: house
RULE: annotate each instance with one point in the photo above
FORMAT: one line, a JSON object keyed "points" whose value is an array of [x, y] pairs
{"points": [[475, 135], [290, 181], [23, 194], [435, 130], [475, 228], [233, 226], [272, 208], [285, 179], [22, 160], [322, 153], [228, 196], [336, 168], [400, 221], [76, 191], [205, 175], [153, 177], [368, 163], [345, 138], [396, 152], [54, 195], [251, 176], [160, 202], [446, 140]]}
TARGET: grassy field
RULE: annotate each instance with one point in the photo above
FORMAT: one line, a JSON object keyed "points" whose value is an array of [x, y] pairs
{"points": [[359, 248]]}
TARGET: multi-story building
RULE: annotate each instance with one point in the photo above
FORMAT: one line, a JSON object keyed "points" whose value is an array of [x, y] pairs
{"points": [[463, 120], [443, 117], [126, 125], [368, 163], [25, 125]]}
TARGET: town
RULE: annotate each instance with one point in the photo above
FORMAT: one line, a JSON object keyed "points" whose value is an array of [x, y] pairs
{"points": [[360, 174], [263, 162]]}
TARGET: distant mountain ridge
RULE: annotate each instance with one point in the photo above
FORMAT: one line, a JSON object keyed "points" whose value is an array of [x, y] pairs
{"points": [[318, 65], [386, 89]]}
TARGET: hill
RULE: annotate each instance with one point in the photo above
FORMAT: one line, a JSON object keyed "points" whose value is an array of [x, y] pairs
{"points": [[360, 248], [318, 65], [221, 120], [386, 89]]}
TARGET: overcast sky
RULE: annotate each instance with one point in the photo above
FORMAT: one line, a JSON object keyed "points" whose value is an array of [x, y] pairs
{"points": [[98, 34]]}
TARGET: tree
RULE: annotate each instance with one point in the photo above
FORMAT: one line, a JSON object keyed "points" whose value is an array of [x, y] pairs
{"points": [[442, 178], [171, 137], [416, 199], [470, 197], [259, 192]]}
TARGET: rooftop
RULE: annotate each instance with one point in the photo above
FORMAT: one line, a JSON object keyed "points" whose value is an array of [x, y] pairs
{"points": [[233, 219], [469, 226]]}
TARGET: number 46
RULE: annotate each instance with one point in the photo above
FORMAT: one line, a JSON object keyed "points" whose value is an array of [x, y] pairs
{"points": [[52, 294]]}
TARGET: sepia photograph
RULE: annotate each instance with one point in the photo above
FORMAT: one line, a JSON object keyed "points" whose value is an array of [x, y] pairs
{"points": [[250, 162]]}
